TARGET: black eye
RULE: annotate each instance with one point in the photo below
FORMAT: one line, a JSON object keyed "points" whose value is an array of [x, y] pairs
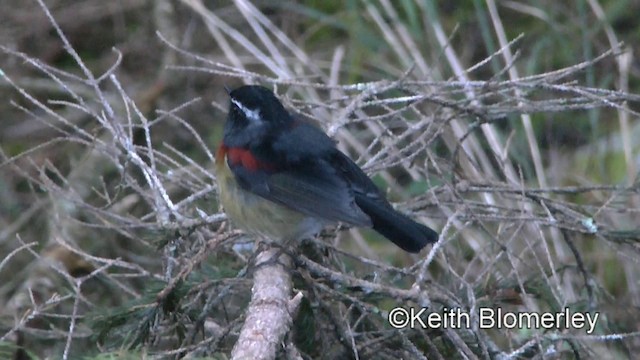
{"points": [[252, 115]]}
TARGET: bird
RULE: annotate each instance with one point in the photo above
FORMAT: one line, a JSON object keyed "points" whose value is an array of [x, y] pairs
{"points": [[285, 179]]}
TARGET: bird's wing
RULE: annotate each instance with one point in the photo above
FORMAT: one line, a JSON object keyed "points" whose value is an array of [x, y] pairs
{"points": [[358, 181], [312, 188], [397, 227]]}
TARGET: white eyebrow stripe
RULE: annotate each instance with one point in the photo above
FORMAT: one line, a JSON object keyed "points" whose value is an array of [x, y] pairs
{"points": [[253, 115]]}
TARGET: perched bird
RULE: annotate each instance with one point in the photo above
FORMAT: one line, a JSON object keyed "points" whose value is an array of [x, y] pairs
{"points": [[283, 178]]}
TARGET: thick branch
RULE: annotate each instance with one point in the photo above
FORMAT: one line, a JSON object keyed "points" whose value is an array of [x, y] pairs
{"points": [[269, 313]]}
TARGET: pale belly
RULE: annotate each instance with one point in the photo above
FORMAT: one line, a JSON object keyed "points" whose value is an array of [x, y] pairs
{"points": [[259, 216]]}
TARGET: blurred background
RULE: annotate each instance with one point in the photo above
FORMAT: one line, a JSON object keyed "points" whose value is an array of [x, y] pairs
{"points": [[511, 126]]}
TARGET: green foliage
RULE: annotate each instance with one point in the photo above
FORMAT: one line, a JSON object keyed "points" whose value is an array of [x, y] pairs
{"points": [[132, 324]]}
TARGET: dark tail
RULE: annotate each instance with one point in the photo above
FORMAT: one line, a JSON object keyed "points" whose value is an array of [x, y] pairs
{"points": [[402, 231]]}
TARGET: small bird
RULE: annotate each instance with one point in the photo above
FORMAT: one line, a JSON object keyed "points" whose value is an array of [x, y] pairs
{"points": [[285, 179]]}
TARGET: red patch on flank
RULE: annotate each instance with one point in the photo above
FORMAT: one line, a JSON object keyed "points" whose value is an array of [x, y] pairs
{"points": [[243, 157], [220, 154]]}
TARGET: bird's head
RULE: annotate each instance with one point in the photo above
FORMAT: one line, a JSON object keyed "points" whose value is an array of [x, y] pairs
{"points": [[254, 114]]}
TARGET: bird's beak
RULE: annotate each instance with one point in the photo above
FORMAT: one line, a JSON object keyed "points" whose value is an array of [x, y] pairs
{"points": [[227, 89]]}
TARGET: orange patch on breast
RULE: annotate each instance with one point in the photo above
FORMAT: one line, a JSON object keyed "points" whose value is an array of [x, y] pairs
{"points": [[241, 157], [221, 153]]}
